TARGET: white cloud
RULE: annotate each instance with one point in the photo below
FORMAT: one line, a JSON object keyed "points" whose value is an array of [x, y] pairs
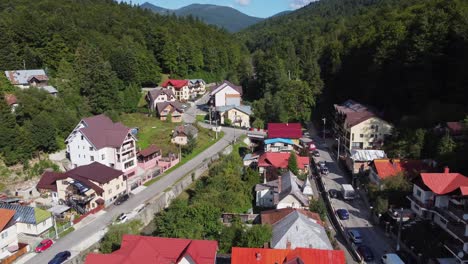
{"points": [[295, 4], [243, 2]]}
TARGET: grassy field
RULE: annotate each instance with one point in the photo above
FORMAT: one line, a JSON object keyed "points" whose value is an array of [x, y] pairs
{"points": [[201, 118]]}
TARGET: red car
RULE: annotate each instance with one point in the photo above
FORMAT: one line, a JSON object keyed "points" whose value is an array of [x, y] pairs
{"points": [[44, 245]]}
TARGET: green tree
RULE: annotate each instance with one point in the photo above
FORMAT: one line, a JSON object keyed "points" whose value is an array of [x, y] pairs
{"points": [[113, 238], [318, 206], [446, 146], [256, 236], [258, 123], [43, 132], [292, 163]]}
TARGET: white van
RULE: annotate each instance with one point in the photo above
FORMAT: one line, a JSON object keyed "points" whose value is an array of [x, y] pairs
{"points": [[391, 258]]}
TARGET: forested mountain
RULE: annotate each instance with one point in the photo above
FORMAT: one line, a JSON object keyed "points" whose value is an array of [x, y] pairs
{"points": [[98, 54], [222, 16], [406, 57]]}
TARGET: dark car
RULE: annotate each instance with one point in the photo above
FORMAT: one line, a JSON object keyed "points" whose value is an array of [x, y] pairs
{"points": [[366, 253], [322, 164], [333, 193], [342, 214], [316, 153], [324, 170], [60, 257], [121, 199]]}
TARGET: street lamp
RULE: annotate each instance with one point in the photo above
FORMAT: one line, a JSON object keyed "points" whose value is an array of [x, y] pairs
{"points": [[338, 156], [324, 121]]}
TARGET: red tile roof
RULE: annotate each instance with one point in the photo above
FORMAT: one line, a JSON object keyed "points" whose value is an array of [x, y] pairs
{"points": [[281, 256], [5, 217], [284, 130], [177, 84], [101, 131], [149, 150], [279, 160], [11, 99], [386, 168], [143, 249], [446, 182], [48, 180], [272, 216]]}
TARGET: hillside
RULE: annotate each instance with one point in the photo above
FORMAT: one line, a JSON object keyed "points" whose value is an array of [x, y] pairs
{"points": [[222, 16]]}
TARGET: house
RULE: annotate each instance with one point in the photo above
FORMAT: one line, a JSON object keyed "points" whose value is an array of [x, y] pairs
{"points": [[27, 192], [359, 126], [291, 131], [148, 250], [360, 159], [455, 129], [99, 139], [279, 160], [166, 163], [25, 79], [226, 94], [286, 256], [197, 86], [29, 220], [182, 134], [155, 96], [381, 169], [180, 88], [173, 109], [11, 101], [85, 187], [237, 115], [250, 159], [278, 145], [271, 217], [148, 158], [285, 192], [443, 199], [8, 234]]}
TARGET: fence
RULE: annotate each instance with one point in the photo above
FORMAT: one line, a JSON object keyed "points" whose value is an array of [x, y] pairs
{"points": [[60, 229], [23, 249]]}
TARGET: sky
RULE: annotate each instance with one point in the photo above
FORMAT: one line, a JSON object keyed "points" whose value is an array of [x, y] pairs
{"points": [[257, 8]]}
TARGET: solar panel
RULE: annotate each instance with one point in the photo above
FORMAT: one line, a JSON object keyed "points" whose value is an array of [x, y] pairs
{"points": [[81, 187]]}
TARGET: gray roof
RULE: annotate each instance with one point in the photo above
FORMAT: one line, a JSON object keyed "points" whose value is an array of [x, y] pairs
{"points": [[367, 154], [154, 93], [290, 185], [300, 231], [193, 81], [243, 108], [23, 214], [22, 76], [58, 209], [49, 89]]}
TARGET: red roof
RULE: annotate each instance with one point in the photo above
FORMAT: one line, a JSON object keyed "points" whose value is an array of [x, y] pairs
{"points": [[272, 216], [446, 182], [386, 168], [281, 256], [284, 130], [48, 180], [145, 249], [177, 84], [10, 99], [5, 216], [279, 160], [149, 150]]}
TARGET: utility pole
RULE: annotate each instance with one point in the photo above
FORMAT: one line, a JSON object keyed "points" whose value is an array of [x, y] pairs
{"points": [[55, 227], [338, 155], [324, 122], [216, 129], [24, 64], [399, 230], [209, 109], [289, 75]]}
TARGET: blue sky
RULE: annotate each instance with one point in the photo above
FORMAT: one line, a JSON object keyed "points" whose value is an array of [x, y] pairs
{"points": [[258, 8]]}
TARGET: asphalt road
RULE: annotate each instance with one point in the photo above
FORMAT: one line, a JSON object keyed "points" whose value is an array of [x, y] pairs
{"points": [[80, 235], [359, 214]]}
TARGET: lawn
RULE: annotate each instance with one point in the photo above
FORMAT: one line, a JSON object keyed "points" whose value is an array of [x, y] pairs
{"points": [[201, 118]]}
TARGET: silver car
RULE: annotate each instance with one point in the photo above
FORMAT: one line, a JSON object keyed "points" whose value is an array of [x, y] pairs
{"points": [[355, 236]]}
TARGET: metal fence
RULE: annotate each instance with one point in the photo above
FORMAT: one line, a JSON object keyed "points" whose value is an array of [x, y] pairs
{"points": [[60, 229]]}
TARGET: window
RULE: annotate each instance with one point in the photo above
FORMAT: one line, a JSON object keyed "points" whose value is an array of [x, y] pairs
{"points": [[83, 147], [418, 193], [371, 135], [416, 207], [82, 137], [84, 156], [361, 135], [352, 136], [442, 220], [5, 234], [122, 184], [90, 148], [79, 155], [91, 158], [102, 157], [376, 128]]}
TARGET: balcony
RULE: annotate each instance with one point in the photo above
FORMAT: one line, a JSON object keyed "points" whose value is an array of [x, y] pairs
{"points": [[459, 210], [458, 229], [456, 249], [424, 206], [124, 159]]}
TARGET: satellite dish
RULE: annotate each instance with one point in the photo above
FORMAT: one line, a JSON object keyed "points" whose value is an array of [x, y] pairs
{"points": [[465, 217], [461, 254]]}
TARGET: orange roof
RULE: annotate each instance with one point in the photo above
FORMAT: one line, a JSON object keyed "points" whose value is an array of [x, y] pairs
{"points": [[279, 160], [280, 256], [446, 182], [387, 168], [177, 84], [5, 217]]}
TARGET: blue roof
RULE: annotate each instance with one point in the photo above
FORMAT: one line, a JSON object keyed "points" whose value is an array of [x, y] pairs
{"points": [[279, 140], [24, 214]]}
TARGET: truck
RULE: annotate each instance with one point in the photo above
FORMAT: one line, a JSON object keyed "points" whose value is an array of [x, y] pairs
{"points": [[347, 191], [391, 258]]}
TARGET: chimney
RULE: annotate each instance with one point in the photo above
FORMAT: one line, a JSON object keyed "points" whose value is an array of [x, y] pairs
{"points": [[258, 256], [288, 244], [279, 184], [446, 170]]}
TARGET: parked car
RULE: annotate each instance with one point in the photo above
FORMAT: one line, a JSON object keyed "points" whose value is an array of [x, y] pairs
{"points": [[60, 257], [322, 164], [316, 153], [44, 245], [333, 193], [366, 253], [121, 199], [324, 170], [355, 236], [139, 208], [342, 214], [122, 218]]}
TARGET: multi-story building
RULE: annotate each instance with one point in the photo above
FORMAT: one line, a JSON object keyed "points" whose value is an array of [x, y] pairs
{"points": [[443, 199], [359, 126], [226, 94], [180, 88], [157, 95], [197, 87], [98, 139], [8, 235]]}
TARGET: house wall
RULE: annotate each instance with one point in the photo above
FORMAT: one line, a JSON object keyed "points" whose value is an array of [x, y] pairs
{"points": [[264, 198], [362, 132], [441, 201], [235, 114], [182, 94], [34, 230], [113, 189], [279, 147], [8, 236], [220, 97], [180, 140], [149, 164], [187, 260], [289, 202]]}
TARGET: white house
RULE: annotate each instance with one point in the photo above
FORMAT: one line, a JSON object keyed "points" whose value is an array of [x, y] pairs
{"points": [[25, 79], [278, 145], [8, 234], [197, 87], [158, 95], [99, 139], [180, 88], [30, 220], [226, 94], [237, 115]]}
